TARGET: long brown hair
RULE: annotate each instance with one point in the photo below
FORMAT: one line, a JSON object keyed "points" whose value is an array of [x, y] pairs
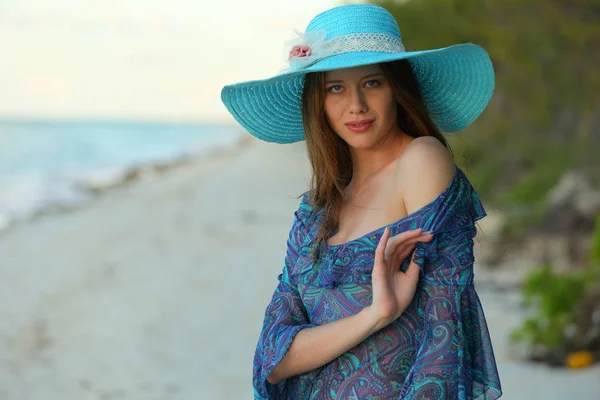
{"points": [[328, 153]]}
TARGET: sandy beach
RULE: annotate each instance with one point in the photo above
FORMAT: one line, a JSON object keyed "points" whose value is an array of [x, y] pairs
{"points": [[157, 288]]}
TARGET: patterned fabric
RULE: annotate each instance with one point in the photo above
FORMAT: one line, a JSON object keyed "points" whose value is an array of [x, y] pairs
{"points": [[439, 348]]}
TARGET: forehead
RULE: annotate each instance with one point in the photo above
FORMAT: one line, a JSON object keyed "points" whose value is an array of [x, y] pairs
{"points": [[352, 73]]}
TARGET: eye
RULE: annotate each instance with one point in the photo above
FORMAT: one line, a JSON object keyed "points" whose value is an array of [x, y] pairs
{"points": [[373, 81], [331, 89]]}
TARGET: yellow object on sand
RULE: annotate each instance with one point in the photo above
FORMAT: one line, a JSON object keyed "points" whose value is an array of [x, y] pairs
{"points": [[579, 359]]}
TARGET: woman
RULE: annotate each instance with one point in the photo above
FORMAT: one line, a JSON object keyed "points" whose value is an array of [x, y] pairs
{"points": [[376, 297]]}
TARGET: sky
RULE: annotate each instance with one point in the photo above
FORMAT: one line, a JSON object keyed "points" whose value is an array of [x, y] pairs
{"points": [[139, 59]]}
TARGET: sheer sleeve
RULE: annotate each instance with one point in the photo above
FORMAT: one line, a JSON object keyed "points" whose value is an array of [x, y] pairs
{"points": [[454, 350], [284, 317]]}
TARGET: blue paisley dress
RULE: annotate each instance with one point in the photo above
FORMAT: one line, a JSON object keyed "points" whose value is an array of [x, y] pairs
{"points": [[439, 348]]}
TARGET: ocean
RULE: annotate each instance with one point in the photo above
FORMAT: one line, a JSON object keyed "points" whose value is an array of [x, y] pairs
{"points": [[43, 163]]}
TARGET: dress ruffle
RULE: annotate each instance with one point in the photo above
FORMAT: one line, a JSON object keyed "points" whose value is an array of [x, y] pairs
{"points": [[454, 358], [284, 317]]}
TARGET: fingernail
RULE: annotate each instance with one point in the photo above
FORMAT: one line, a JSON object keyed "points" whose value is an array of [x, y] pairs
{"points": [[428, 233]]}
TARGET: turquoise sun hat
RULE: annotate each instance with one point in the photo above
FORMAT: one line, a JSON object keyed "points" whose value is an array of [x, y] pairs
{"points": [[456, 82]]}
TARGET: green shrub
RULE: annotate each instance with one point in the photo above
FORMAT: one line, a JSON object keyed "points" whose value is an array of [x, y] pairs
{"points": [[555, 299]]}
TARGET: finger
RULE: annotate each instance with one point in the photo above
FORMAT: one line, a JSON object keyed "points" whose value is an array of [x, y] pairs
{"points": [[410, 237], [402, 236], [412, 241], [383, 241], [413, 270], [396, 245], [405, 252], [401, 248], [398, 256]]}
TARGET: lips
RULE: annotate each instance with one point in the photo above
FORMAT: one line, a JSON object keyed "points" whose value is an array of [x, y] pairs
{"points": [[359, 126], [361, 122]]}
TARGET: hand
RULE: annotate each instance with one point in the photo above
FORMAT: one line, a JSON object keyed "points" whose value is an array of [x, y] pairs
{"points": [[393, 290]]}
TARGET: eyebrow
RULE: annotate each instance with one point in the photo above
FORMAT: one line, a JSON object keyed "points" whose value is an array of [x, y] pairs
{"points": [[364, 77]]}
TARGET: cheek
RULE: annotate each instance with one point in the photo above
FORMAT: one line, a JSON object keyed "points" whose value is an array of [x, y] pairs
{"points": [[387, 108], [332, 110], [391, 110]]}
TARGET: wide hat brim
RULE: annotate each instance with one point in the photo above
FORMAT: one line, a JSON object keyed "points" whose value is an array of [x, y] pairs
{"points": [[456, 84]]}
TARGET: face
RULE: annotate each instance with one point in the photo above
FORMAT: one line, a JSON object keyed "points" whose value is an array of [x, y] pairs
{"points": [[360, 94]]}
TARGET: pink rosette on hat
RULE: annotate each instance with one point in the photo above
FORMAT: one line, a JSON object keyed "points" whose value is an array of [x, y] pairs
{"points": [[299, 51], [307, 49]]}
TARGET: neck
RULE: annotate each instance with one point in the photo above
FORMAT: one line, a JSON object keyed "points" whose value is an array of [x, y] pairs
{"points": [[366, 163]]}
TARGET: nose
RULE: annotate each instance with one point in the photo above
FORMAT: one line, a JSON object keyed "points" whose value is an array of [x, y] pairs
{"points": [[358, 102]]}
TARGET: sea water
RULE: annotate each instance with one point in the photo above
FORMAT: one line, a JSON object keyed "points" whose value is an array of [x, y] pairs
{"points": [[44, 162]]}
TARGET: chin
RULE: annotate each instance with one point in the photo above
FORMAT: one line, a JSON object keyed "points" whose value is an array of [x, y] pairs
{"points": [[361, 142]]}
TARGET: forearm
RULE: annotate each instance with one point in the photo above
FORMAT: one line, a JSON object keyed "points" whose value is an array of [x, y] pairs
{"points": [[316, 346]]}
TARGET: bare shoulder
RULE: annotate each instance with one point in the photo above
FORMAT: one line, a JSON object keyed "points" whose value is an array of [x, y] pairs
{"points": [[425, 170], [428, 152]]}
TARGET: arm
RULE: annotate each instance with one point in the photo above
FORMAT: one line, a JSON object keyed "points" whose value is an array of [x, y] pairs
{"points": [[314, 347]]}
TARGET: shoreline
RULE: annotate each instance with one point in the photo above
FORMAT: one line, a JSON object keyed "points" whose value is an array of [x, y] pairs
{"points": [[95, 185]]}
